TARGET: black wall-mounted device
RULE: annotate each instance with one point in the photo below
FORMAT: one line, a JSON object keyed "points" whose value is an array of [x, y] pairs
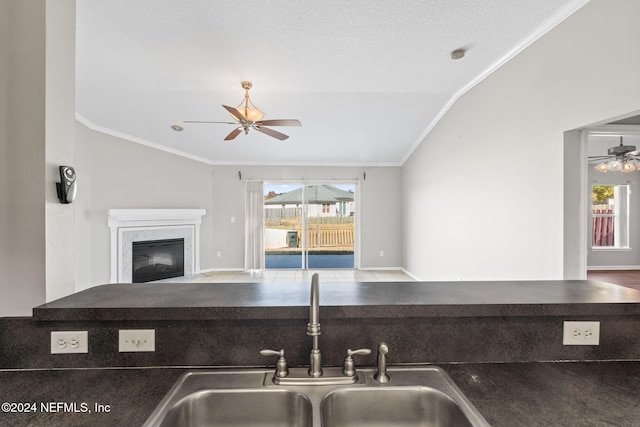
{"points": [[67, 186]]}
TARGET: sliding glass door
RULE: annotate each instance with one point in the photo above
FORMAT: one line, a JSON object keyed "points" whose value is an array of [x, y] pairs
{"points": [[283, 226], [309, 225]]}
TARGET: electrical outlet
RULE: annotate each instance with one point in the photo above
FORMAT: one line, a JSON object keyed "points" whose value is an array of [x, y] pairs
{"points": [[69, 342], [381, 253], [130, 340], [581, 333]]}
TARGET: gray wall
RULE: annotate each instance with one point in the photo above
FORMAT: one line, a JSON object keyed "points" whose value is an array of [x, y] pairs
{"points": [[380, 205], [60, 146], [118, 174], [501, 216], [22, 156], [121, 174]]}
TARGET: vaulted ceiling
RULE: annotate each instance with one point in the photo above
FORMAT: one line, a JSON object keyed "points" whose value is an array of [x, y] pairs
{"points": [[367, 79]]}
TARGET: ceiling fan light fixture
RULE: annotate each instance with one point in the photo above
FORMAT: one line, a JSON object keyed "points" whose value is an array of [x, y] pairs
{"points": [[251, 114], [246, 107], [614, 165], [628, 167], [602, 167]]}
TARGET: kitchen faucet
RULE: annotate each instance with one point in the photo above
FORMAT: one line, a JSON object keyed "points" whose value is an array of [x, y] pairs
{"points": [[315, 374], [313, 328]]}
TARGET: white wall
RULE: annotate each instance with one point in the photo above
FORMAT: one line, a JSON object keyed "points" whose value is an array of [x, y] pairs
{"points": [[275, 238], [575, 205], [483, 218], [22, 156]]}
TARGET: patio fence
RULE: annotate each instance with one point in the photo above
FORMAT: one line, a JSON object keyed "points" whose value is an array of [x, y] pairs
{"points": [[329, 235], [602, 227]]}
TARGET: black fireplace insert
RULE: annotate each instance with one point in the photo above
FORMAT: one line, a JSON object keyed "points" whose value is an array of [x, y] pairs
{"points": [[157, 260]]}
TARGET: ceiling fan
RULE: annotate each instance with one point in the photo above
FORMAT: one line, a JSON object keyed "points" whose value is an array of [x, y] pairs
{"points": [[623, 158], [248, 117]]}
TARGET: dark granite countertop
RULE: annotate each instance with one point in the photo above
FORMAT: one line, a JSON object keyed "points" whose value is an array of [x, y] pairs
{"points": [[576, 394], [508, 395], [189, 301]]}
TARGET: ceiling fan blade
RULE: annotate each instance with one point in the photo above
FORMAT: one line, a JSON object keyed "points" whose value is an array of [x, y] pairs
{"points": [[281, 122], [235, 113], [233, 134], [633, 153], [201, 121], [271, 132]]}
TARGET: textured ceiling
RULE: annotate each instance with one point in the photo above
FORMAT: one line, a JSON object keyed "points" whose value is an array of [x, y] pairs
{"points": [[367, 79]]}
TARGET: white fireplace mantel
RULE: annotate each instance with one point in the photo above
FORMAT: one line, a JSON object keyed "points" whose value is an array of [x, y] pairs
{"points": [[129, 225]]}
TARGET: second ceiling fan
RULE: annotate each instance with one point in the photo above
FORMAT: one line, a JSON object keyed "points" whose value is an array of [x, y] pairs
{"points": [[623, 158], [248, 117]]}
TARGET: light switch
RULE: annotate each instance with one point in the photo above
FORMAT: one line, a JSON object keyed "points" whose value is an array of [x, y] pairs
{"points": [[136, 340]]}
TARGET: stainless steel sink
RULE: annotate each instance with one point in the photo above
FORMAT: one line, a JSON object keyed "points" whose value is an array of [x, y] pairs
{"points": [[240, 407], [393, 406], [415, 396]]}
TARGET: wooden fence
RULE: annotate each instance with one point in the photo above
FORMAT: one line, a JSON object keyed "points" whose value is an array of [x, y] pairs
{"points": [[602, 227], [286, 218], [329, 235], [282, 213]]}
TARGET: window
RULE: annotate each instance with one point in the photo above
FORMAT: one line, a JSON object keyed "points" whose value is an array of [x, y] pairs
{"points": [[326, 208], [610, 216]]}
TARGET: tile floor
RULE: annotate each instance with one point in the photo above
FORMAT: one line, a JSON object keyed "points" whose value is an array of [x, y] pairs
{"points": [[298, 276]]}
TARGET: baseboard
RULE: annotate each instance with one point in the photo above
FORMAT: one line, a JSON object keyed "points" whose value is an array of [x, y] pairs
{"points": [[402, 269], [211, 270], [612, 267], [413, 276], [241, 270]]}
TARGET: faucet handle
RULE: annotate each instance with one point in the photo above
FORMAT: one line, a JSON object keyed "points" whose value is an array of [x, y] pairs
{"points": [[362, 351], [349, 367], [281, 367]]}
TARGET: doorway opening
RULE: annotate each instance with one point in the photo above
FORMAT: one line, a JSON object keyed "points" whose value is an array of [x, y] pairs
{"points": [[310, 225], [588, 245]]}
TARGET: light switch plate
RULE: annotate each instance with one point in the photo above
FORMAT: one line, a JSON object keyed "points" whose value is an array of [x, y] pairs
{"points": [[136, 340], [581, 333]]}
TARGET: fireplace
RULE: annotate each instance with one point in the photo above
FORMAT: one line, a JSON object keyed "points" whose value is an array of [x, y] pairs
{"points": [[129, 226], [157, 260]]}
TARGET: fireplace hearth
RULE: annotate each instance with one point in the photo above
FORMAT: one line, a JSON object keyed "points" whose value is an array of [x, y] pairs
{"points": [[157, 260]]}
